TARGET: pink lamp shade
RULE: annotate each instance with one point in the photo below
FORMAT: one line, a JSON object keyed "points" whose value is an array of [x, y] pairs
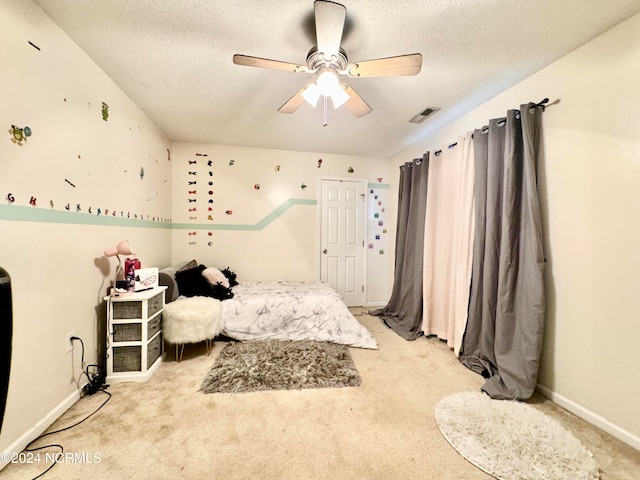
{"points": [[123, 248]]}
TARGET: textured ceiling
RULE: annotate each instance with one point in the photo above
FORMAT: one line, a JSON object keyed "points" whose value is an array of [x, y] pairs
{"points": [[174, 60]]}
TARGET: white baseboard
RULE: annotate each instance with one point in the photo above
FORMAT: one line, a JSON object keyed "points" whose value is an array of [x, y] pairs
{"points": [[376, 304], [591, 417], [34, 432]]}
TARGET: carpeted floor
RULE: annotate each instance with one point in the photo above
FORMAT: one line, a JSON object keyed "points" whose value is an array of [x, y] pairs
{"points": [[383, 429]]}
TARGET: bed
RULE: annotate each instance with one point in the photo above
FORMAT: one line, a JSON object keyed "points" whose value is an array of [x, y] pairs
{"points": [[283, 310]]}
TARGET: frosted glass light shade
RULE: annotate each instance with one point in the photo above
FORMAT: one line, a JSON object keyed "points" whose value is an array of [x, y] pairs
{"points": [[339, 97], [311, 94], [327, 83]]}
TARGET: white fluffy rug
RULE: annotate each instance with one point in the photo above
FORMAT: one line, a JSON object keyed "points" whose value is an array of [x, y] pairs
{"points": [[512, 440]]}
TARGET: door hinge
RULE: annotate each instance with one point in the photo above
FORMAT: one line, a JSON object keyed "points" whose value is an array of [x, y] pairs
{"points": [[362, 288]]}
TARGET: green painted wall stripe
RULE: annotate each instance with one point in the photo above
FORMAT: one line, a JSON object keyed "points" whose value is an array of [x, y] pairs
{"points": [[42, 215], [381, 186], [34, 214], [270, 218]]}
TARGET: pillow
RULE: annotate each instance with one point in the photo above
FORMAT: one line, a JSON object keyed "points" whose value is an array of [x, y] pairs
{"points": [[167, 277], [188, 266], [230, 276], [215, 277], [191, 283]]}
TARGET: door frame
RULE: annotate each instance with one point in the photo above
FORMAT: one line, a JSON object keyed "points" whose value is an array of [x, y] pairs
{"points": [[365, 184]]}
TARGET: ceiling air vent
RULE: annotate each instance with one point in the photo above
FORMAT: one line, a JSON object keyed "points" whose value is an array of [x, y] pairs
{"points": [[423, 115]]}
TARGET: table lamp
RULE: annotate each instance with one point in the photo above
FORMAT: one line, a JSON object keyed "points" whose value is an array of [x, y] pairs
{"points": [[123, 248]]}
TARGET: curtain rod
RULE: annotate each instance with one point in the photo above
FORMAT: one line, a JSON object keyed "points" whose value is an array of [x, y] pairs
{"points": [[542, 103]]}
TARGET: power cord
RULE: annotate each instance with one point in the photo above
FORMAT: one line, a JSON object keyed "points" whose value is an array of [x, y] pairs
{"points": [[96, 379], [96, 384]]}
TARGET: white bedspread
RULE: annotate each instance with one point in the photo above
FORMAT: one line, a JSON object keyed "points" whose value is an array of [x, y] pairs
{"points": [[292, 311]]}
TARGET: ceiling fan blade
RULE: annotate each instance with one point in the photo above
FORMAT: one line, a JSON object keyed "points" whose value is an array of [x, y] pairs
{"points": [[355, 104], [293, 103], [330, 18], [387, 67], [266, 63]]}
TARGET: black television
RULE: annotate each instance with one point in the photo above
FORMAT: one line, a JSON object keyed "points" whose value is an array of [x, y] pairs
{"points": [[6, 333]]}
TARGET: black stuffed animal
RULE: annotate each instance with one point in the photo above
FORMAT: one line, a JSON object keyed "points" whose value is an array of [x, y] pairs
{"points": [[231, 276]]}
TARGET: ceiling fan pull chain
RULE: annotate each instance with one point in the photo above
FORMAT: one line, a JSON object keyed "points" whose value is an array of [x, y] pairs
{"points": [[324, 122]]}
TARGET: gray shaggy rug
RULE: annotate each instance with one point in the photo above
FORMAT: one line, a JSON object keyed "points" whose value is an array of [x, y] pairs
{"points": [[280, 365], [512, 440]]}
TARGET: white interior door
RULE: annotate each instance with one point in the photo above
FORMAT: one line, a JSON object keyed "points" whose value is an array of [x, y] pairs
{"points": [[342, 250]]}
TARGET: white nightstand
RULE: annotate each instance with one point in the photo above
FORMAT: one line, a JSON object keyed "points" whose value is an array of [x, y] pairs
{"points": [[134, 335]]}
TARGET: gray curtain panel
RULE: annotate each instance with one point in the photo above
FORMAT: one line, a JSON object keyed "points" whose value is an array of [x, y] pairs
{"points": [[505, 325], [403, 313]]}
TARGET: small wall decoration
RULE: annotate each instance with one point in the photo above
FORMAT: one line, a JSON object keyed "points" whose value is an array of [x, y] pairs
{"points": [[193, 173], [229, 212], [34, 45], [210, 244], [78, 207], [168, 155], [19, 135], [210, 184], [381, 252], [210, 234], [277, 169], [379, 179], [231, 162], [51, 203], [193, 192], [10, 198], [141, 173], [194, 182], [33, 201], [201, 155], [105, 111], [351, 170], [193, 162], [319, 162], [210, 217], [69, 183], [303, 186], [192, 233], [256, 186]]}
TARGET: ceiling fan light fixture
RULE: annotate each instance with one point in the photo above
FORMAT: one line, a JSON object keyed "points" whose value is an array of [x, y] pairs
{"points": [[328, 82], [311, 94], [339, 97]]}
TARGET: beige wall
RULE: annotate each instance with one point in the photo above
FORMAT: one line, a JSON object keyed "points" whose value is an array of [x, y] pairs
{"points": [[590, 189], [285, 245], [54, 256]]}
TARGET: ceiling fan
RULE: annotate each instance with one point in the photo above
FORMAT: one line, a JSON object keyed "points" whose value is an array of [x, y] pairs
{"points": [[327, 60]]}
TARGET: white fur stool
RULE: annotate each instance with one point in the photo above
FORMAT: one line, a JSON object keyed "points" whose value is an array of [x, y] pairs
{"points": [[191, 320]]}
